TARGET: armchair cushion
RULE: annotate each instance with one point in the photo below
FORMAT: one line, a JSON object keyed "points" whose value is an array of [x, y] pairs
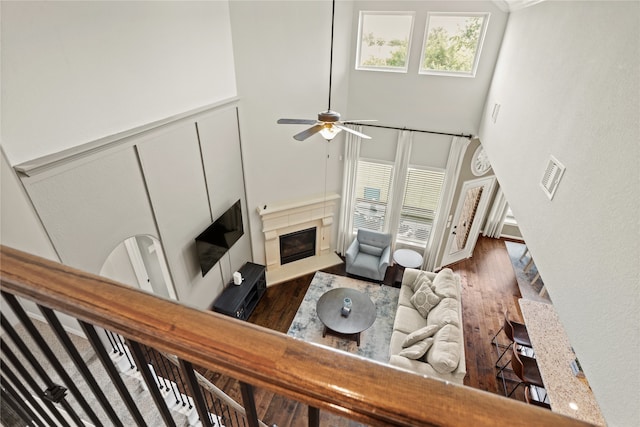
{"points": [[370, 249], [369, 254]]}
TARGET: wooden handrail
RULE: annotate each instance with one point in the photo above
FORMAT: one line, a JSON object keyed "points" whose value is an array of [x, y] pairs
{"points": [[354, 387]]}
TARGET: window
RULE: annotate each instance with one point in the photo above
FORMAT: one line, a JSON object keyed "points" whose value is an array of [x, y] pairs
{"points": [[419, 204], [372, 194], [383, 41], [452, 43]]}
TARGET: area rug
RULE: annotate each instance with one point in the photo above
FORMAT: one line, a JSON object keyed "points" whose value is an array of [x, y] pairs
{"points": [[374, 342], [524, 278]]}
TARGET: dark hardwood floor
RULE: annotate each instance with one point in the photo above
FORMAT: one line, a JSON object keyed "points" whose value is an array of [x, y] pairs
{"points": [[488, 288]]}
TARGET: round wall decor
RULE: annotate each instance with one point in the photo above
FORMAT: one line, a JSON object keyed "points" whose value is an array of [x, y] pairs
{"points": [[480, 162]]}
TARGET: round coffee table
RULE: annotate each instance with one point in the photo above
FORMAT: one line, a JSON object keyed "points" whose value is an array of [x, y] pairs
{"points": [[329, 309]]}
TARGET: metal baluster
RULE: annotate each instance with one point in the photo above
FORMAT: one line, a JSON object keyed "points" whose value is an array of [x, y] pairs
{"points": [[159, 379], [235, 414], [213, 412], [26, 352], [126, 353], [112, 340], [196, 393], [35, 387], [249, 404], [314, 416], [26, 395], [79, 363], [53, 360], [167, 374], [138, 355], [9, 395], [103, 355]]}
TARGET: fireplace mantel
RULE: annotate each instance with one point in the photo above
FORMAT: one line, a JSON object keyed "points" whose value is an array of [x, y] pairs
{"points": [[287, 217]]}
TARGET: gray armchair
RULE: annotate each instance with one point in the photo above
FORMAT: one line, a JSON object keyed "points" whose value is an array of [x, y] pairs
{"points": [[369, 254]]}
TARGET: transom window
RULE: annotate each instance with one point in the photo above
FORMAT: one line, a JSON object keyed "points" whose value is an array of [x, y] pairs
{"points": [[383, 41], [452, 43]]}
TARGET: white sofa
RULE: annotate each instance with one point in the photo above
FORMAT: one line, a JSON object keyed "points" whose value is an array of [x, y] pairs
{"points": [[441, 331]]}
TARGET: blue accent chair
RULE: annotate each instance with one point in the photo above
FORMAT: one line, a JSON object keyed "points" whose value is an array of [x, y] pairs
{"points": [[369, 254]]}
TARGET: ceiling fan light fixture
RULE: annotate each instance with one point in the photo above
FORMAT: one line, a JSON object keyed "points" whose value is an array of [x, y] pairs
{"points": [[329, 131], [328, 124]]}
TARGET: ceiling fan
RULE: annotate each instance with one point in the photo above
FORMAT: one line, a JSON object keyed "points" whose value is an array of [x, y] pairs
{"points": [[328, 123]]}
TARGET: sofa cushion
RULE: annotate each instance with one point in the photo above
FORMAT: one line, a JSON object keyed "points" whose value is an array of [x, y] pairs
{"points": [[419, 335], [370, 249], [417, 350], [420, 279], [405, 296], [445, 284], [424, 299], [444, 354], [445, 313], [408, 320]]}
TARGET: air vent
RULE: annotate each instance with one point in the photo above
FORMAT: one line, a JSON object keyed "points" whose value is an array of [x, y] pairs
{"points": [[552, 176]]}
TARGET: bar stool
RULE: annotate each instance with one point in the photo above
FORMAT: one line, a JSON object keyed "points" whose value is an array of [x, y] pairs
{"points": [[526, 369], [515, 332], [531, 401]]}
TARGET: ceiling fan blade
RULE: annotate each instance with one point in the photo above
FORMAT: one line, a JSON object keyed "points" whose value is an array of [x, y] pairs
{"points": [[307, 133], [297, 121], [356, 121], [355, 132]]}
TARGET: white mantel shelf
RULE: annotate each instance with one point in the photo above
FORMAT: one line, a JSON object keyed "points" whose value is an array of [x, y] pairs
{"points": [[294, 204]]}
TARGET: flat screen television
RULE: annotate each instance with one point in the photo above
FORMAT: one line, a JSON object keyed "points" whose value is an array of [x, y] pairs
{"points": [[219, 237]]}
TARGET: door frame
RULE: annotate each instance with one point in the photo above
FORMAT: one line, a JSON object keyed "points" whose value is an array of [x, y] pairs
{"points": [[481, 212]]}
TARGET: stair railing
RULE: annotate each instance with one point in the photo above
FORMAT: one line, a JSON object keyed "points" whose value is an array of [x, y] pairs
{"points": [[325, 379]]}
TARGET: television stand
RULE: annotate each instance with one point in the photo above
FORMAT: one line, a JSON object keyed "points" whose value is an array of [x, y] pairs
{"points": [[239, 301]]}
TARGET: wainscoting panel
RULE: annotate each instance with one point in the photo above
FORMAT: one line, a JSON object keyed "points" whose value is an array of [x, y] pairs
{"points": [[89, 207], [223, 168], [172, 166]]}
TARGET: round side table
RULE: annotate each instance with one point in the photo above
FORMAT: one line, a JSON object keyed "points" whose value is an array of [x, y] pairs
{"points": [[405, 258]]}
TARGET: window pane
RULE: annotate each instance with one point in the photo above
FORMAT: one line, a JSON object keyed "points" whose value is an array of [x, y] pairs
{"points": [[383, 41], [452, 43], [372, 192], [419, 205]]}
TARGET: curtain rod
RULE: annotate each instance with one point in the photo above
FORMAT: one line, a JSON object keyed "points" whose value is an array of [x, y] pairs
{"points": [[469, 136]]}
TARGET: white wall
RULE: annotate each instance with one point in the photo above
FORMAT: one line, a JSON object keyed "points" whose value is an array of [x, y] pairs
{"points": [[567, 80], [282, 52], [73, 72], [447, 104]]}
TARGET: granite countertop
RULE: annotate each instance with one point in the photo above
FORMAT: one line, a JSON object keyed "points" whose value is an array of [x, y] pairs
{"points": [[568, 394]]}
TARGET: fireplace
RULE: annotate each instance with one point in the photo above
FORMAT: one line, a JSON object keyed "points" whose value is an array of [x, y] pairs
{"points": [[288, 218], [297, 245]]}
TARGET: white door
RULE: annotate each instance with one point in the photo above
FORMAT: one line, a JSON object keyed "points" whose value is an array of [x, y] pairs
{"points": [[470, 213]]}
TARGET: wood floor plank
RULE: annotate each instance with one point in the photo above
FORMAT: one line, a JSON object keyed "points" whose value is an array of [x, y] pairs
{"points": [[488, 288]]}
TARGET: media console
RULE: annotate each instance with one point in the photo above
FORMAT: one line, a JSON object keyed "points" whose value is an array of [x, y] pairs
{"points": [[239, 301]]}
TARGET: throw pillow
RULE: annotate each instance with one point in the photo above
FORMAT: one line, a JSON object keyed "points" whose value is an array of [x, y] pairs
{"points": [[419, 335], [446, 312], [445, 284], [417, 350], [424, 299], [444, 355], [417, 282]]}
